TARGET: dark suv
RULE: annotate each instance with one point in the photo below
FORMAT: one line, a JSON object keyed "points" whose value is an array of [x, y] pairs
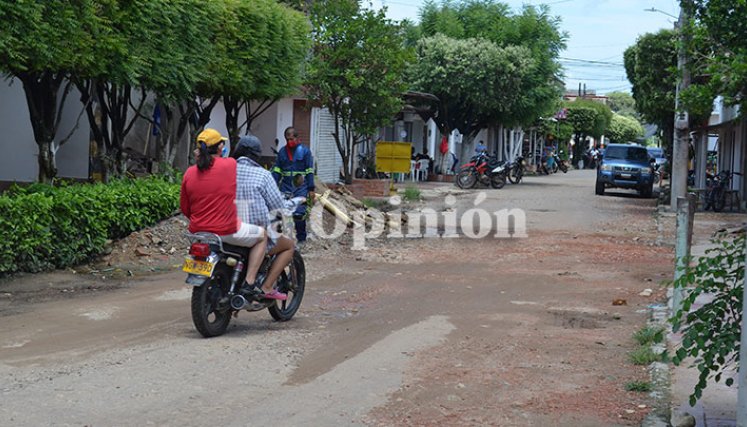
{"points": [[626, 166]]}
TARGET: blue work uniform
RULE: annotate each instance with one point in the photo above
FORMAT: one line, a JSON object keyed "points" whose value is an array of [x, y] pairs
{"points": [[295, 175]]}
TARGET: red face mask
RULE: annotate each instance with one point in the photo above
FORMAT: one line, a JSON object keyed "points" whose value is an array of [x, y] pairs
{"points": [[293, 143]]}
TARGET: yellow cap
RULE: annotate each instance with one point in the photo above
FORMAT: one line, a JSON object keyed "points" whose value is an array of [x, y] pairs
{"points": [[210, 137]]}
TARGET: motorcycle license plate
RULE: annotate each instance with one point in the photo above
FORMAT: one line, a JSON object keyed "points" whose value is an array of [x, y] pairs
{"points": [[202, 268]]}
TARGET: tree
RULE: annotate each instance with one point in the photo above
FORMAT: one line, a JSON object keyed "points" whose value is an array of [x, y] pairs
{"points": [[42, 44], [624, 129], [588, 118], [475, 81], [124, 62], [718, 35], [622, 103], [534, 29], [650, 65], [263, 46], [356, 71]]}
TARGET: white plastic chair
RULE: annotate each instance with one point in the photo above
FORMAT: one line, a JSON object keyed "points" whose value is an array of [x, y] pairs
{"points": [[413, 169], [422, 169]]}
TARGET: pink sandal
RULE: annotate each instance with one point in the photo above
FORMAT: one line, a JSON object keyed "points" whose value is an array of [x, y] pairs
{"points": [[275, 294]]}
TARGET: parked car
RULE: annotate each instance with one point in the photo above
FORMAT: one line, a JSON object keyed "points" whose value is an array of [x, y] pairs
{"points": [[626, 166], [658, 155]]}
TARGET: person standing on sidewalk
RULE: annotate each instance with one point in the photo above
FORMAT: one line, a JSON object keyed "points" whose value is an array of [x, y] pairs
{"points": [[294, 173]]}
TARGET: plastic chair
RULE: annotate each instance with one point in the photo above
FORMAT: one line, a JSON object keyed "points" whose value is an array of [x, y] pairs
{"points": [[422, 169], [413, 169]]}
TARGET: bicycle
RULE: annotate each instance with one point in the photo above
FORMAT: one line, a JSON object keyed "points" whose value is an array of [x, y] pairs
{"points": [[716, 189]]}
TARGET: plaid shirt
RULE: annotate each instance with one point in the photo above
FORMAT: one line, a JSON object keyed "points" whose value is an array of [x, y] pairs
{"points": [[256, 193]]}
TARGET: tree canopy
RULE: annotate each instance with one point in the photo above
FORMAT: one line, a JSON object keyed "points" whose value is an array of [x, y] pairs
{"points": [[475, 80], [624, 129], [533, 29], [717, 42], [650, 65], [622, 103]]}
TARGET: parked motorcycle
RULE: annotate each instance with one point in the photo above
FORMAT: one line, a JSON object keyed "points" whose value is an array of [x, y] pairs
{"points": [[559, 164], [717, 187], [216, 271], [485, 169], [516, 170]]}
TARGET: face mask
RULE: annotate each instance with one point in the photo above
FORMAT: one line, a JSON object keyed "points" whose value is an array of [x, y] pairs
{"points": [[292, 143]]}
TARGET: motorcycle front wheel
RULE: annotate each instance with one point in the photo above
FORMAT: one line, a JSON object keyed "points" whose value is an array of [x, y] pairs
{"points": [[563, 167], [292, 281], [515, 175], [466, 179], [497, 181], [209, 317]]}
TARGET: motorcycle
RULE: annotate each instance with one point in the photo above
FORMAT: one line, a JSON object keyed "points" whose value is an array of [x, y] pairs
{"points": [[516, 170], [485, 169], [559, 164], [365, 167], [216, 272]]}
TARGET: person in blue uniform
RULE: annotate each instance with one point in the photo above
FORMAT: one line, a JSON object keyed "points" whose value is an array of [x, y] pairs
{"points": [[294, 173]]}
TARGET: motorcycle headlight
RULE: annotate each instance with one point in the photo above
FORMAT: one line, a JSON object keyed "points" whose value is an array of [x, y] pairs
{"points": [[606, 168], [523, 162]]}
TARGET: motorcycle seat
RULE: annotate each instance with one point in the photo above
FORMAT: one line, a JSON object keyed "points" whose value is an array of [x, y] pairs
{"points": [[243, 251]]}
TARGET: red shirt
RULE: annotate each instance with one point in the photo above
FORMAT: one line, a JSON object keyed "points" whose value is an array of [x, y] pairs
{"points": [[208, 198]]}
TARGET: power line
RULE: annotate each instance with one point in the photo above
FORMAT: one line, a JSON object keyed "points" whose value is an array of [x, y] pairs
{"points": [[589, 61]]}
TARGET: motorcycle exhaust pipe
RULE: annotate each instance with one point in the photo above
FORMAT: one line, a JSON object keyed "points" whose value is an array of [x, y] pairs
{"points": [[238, 302]]}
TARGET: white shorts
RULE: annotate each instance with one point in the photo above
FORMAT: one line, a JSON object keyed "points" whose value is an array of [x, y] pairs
{"points": [[247, 236]]}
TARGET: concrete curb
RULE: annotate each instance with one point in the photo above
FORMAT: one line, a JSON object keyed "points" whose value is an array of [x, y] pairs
{"points": [[659, 373]]}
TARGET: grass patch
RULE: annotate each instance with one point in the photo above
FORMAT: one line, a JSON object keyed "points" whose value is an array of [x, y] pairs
{"points": [[412, 194], [640, 386], [645, 356], [373, 203], [649, 335]]}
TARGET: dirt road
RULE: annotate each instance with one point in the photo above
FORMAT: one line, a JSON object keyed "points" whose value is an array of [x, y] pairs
{"points": [[509, 332]]}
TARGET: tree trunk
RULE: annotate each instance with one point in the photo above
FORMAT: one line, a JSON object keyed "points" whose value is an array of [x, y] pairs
{"points": [[232, 118], [41, 90], [47, 169]]}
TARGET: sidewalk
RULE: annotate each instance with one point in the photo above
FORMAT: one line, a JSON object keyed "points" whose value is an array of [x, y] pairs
{"points": [[717, 407]]}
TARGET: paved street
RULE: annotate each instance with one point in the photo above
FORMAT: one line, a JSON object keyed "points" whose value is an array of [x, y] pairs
{"points": [[509, 332]]}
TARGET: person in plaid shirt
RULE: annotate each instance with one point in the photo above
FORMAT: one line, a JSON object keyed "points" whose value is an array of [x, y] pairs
{"points": [[257, 196]]}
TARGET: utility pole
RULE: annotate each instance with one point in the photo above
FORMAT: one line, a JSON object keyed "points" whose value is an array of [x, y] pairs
{"points": [[681, 119]]}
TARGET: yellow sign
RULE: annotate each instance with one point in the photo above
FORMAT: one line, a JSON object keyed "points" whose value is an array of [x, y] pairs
{"points": [[392, 157]]}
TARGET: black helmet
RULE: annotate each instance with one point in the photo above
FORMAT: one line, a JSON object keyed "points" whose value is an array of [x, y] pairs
{"points": [[248, 146]]}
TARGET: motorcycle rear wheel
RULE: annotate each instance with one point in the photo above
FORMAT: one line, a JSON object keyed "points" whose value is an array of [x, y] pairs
{"points": [[498, 181], [563, 167], [466, 179], [211, 320], [292, 281]]}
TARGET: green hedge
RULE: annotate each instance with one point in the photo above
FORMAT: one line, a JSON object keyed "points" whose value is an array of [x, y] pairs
{"points": [[44, 227]]}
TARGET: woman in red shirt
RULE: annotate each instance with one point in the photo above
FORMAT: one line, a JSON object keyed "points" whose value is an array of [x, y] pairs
{"points": [[208, 200]]}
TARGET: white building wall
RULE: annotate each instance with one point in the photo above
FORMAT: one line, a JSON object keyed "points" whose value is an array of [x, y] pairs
{"points": [[18, 138], [326, 156], [264, 127], [284, 119]]}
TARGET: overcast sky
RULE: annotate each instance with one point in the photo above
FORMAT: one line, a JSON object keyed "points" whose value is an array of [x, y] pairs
{"points": [[598, 30]]}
